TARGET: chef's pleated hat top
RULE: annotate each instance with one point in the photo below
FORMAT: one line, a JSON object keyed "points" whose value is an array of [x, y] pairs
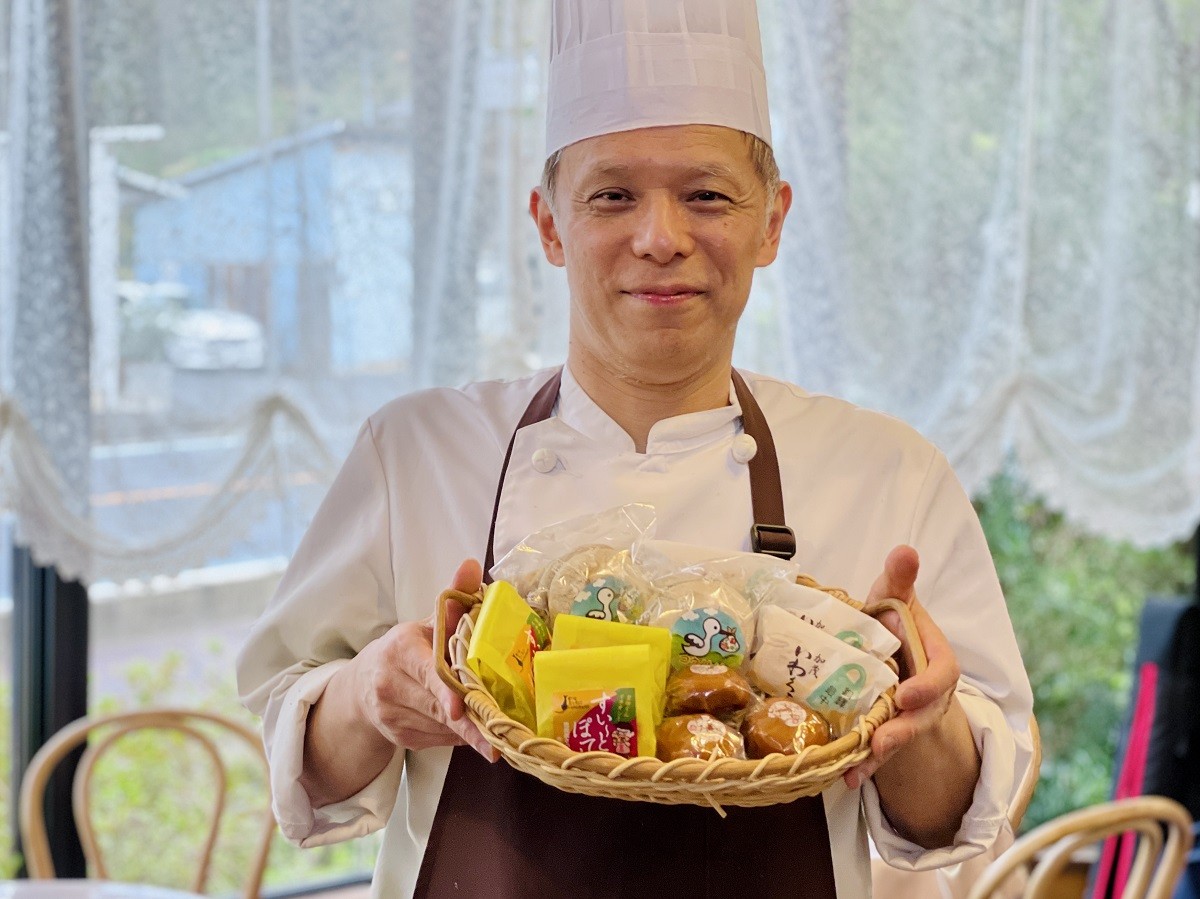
{"points": [[616, 65]]}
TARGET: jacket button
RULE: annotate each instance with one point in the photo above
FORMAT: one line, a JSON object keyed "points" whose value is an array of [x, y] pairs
{"points": [[744, 448], [544, 461]]}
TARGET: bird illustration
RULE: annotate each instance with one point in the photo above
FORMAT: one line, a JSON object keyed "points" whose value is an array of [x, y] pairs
{"points": [[700, 646], [608, 605], [730, 642], [597, 600]]}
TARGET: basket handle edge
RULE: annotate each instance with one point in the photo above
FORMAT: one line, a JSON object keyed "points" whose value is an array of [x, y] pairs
{"points": [[917, 659], [441, 638]]}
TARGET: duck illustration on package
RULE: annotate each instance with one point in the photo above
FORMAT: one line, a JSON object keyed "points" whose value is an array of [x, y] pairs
{"points": [[600, 599], [614, 592], [710, 622], [707, 635]]}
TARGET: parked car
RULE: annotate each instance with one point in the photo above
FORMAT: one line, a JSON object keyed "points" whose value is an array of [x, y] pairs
{"points": [[214, 339], [146, 311]]}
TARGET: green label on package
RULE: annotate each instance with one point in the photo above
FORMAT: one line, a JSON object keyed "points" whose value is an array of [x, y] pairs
{"points": [[838, 692], [624, 707], [854, 638]]}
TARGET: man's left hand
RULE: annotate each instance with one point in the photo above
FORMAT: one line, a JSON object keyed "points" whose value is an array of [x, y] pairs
{"points": [[924, 698]]}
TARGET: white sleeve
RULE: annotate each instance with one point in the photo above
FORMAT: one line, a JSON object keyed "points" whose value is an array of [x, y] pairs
{"points": [[337, 595], [958, 586]]}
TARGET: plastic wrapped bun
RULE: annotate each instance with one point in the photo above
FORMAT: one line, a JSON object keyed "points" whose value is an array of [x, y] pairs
{"points": [[532, 564], [751, 574], [784, 726], [698, 737], [715, 689], [616, 591], [564, 578], [711, 622]]}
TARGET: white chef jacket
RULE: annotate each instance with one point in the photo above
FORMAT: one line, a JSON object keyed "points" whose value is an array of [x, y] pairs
{"points": [[414, 498]]}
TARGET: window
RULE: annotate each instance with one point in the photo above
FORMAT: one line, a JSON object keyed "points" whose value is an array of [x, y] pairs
{"points": [[298, 209]]}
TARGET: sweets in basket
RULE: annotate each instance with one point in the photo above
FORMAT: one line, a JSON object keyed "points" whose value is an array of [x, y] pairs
{"points": [[775, 686]]}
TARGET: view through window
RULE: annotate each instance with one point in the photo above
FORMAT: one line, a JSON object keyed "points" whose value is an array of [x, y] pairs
{"points": [[299, 209]]}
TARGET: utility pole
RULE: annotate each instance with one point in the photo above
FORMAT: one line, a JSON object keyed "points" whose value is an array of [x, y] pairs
{"points": [[266, 134], [104, 213]]}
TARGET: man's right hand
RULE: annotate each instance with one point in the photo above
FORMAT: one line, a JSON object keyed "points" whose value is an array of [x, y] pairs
{"points": [[389, 695], [397, 688]]}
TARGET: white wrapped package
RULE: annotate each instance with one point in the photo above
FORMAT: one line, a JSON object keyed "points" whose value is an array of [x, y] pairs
{"points": [[830, 614], [794, 659]]}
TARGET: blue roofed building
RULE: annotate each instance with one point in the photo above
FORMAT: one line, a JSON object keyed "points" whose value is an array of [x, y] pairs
{"points": [[310, 235]]}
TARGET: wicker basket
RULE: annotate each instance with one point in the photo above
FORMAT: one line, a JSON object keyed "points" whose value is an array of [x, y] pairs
{"points": [[736, 782]]}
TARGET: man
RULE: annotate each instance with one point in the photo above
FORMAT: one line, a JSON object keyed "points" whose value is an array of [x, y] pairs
{"points": [[660, 198]]}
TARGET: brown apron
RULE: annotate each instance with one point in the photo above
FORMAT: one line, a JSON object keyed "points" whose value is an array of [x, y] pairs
{"points": [[501, 833]]}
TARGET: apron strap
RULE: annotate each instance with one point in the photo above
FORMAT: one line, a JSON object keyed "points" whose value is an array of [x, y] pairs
{"points": [[500, 832], [540, 408], [769, 534]]}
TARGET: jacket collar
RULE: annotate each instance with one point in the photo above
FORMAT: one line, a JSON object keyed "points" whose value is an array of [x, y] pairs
{"points": [[579, 412]]}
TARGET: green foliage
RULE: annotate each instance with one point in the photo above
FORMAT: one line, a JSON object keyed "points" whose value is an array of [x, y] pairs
{"points": [[10, 861], [1075, 601]]}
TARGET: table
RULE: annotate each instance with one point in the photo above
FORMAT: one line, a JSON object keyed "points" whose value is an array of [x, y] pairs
{"points": [[85, 889]]}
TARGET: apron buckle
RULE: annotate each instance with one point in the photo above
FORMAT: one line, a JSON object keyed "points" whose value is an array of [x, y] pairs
{"points": [[773, 540]]}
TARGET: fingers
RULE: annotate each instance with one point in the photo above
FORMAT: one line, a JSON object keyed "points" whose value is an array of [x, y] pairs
{"points": [[940, 677], [413, 715], [413, 707], [414, 731], [898, 578], [405, 697], [865, 770], [924, 698], [407, 700], [885, 742], [468, 578], [418, 658], [890, 738], [451, 711]]}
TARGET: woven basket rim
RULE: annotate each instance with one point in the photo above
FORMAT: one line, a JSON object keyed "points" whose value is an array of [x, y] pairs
{"points": [[776, 778]]}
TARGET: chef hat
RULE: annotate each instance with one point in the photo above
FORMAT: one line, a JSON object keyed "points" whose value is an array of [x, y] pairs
{"points": [[616, 65]]}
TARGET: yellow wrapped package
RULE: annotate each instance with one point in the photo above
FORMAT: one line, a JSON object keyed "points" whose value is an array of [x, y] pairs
{"points": [[577, 632], [597, 699], [507, 635]]}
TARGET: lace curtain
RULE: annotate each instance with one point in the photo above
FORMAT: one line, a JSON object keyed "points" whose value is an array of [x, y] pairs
{"points": [[231, 230]]}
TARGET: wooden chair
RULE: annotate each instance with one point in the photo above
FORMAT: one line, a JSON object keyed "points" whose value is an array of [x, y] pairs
{"points": [[1025, 789], [1157, 863], [197, 728]]}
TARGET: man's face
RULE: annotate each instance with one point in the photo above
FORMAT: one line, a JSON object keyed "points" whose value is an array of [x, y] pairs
{"points": [[660, 230]]}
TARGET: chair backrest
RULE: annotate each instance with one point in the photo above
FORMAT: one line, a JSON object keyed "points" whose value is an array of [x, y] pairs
{"points": [[1157, 865], [197, 728], [1024, 794]]}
